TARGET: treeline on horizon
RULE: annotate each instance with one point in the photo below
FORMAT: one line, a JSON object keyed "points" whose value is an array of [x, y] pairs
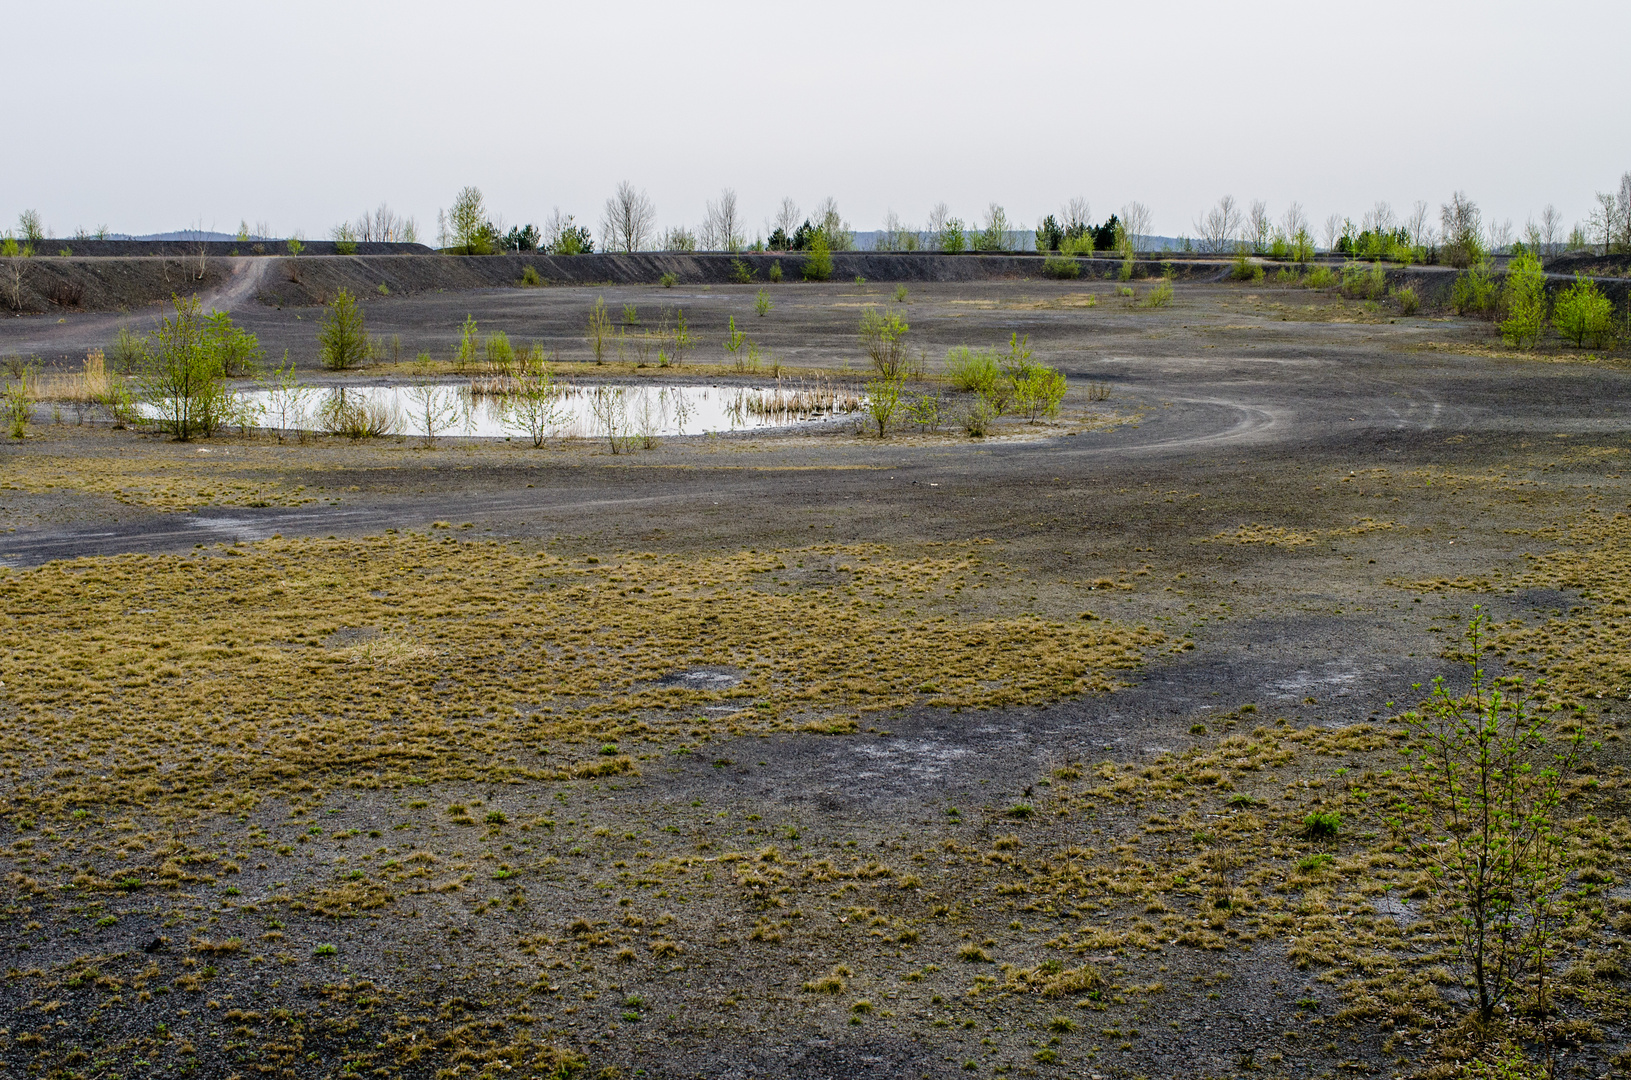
{"points": [[1461, 235]]}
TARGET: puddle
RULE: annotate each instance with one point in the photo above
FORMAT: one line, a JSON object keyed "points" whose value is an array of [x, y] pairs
{"points": [[486, 410], [701, 679]]}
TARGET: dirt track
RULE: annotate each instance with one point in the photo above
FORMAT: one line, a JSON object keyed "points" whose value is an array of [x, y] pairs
{"points": [[1281, 466]]}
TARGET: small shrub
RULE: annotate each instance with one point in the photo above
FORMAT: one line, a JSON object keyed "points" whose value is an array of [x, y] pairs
{"points": [[529, 276], [1409, 303], [325, 950], [1287, 275], [775, 274], [761, 302], [900, 294], [883, 402], [1125, 291], [1321, 277], [741, 272], [1583, 315], [1061, 267], [1161, 295], [668, 280], [883, 335], [972, 371], [1473, 292], [1322, 825]]}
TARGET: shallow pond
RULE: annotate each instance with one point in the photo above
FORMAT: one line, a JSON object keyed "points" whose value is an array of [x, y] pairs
{"points": [[494, 408]]}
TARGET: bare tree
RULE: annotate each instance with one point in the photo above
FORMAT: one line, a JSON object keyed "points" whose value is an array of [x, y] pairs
{"points": [[1378, 219], [1294, 221], [1135, 221], [1416, 225], [722, 224], [29, 229], [787, 217], [1333, 229], [892, 233], [1499, 237], [935, 226], [386, 226], [1259, 226], [1622, 231], [1220, 227], [626, 224], [1076, 214], [1462, 226], [1551, 230]]}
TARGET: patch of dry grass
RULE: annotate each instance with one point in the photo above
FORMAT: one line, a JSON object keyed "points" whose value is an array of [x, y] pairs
{"points": [[370, 661]]}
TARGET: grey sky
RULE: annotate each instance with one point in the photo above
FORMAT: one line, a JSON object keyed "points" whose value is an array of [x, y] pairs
{"points": [[157, 116]]}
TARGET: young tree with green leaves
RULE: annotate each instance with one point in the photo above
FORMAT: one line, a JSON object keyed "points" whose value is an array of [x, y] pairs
{"points": [[342, 339], [467, 222], [1485, 781], [818, 263], [1524, 298], [179, 374], [1582, 315]]}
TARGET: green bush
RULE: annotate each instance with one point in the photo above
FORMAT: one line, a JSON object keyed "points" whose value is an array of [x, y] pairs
{"points": [[529, 276], [342, 340], [883, 400], [818, 263], [1321, 277], [1364, 282], [1583, 315], [1244, 269], [1061, 267], [180, 377], [741, 272], [1287, 275], [1523, 297], [775, 274], [1409, 302], [1161, 295], [237, 349], [761, 302], [1474, 292], [668, 280], [883, 335], [1322, 825], [972, 371], [1038, 391]]}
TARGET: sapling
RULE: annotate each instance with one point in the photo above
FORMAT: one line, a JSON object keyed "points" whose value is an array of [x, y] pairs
{"points": [[342, 340], [433, 410], [1524, 298], [600, 328], [761, 302], [884, 398], [1485, 779], [883, 335]]}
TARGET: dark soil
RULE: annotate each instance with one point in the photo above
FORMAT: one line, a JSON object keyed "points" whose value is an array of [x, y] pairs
{"points": [[1370, 441]]}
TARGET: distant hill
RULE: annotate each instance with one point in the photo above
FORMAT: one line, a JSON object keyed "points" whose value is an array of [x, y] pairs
{"points": [[185, 235], [1019, 240]]}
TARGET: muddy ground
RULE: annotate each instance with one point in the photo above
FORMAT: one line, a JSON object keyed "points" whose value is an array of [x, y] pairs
{"points": [[799, 754]]}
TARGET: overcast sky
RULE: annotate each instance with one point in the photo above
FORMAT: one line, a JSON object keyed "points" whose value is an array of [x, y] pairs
{"points": [[156, 116]]}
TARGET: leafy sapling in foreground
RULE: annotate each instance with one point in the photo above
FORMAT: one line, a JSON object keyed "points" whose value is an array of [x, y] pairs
{"points": [[1486, 782]]}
